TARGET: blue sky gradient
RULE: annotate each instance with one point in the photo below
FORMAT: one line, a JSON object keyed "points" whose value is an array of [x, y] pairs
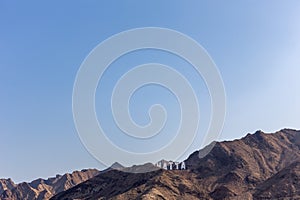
{"points": [[255, 44]]}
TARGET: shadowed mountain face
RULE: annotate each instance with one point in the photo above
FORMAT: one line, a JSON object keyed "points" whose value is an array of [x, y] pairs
{"points": [[258, 166], [43, 189], [285, 183]]}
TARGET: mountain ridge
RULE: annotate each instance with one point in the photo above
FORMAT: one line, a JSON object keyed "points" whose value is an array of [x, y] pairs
{"points": [[43, 188], [246, 168], [235, 169]]}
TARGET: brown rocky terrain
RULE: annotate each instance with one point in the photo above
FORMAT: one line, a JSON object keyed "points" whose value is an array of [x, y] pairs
{"points": [[258, 166], [43, 189], [6, 184], [284, 184]]}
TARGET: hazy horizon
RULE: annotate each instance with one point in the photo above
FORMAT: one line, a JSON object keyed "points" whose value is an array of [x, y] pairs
{"points": [[255, 45]]}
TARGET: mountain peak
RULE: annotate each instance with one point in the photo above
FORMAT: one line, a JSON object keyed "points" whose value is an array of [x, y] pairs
{"points": [[255, 161], [262, 165], [43, 189], [117, 166]]}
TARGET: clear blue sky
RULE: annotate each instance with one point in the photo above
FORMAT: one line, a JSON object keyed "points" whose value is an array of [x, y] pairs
{"points": [[255, 44]]}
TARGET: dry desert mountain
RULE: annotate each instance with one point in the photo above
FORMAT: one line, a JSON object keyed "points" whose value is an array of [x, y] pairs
{"points": [[258, 166], [43, 189]]}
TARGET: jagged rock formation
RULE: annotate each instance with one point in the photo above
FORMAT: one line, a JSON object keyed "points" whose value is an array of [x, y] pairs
{"points": [[6, 184], [43, 189], [258, 166]]}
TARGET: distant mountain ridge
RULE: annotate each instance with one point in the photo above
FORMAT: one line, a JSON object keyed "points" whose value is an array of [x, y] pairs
{"points": [[43, 189], [257, 166]]}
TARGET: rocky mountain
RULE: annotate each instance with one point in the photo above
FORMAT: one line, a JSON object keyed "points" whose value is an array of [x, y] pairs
{"points": [[258, 166], [283, 184], [43, 189], [6, 184]]}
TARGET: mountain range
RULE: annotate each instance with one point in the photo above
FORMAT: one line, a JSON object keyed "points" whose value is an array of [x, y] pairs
{"points": [[43, 189], [257, 166]]}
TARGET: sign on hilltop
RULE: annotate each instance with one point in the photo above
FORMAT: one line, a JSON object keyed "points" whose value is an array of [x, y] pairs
{"points": [[170, 165]]}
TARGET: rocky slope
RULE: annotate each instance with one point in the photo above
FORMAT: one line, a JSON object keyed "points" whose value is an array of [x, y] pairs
{"points": [[258, 166], [283, 184], [6, 184], [43, 189]]}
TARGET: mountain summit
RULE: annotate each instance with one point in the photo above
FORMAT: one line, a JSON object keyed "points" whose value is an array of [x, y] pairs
{"points": [[258, 166]]}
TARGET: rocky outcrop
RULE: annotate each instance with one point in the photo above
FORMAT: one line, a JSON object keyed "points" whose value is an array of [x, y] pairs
{"points": [[43, 189], [6, 184]]}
